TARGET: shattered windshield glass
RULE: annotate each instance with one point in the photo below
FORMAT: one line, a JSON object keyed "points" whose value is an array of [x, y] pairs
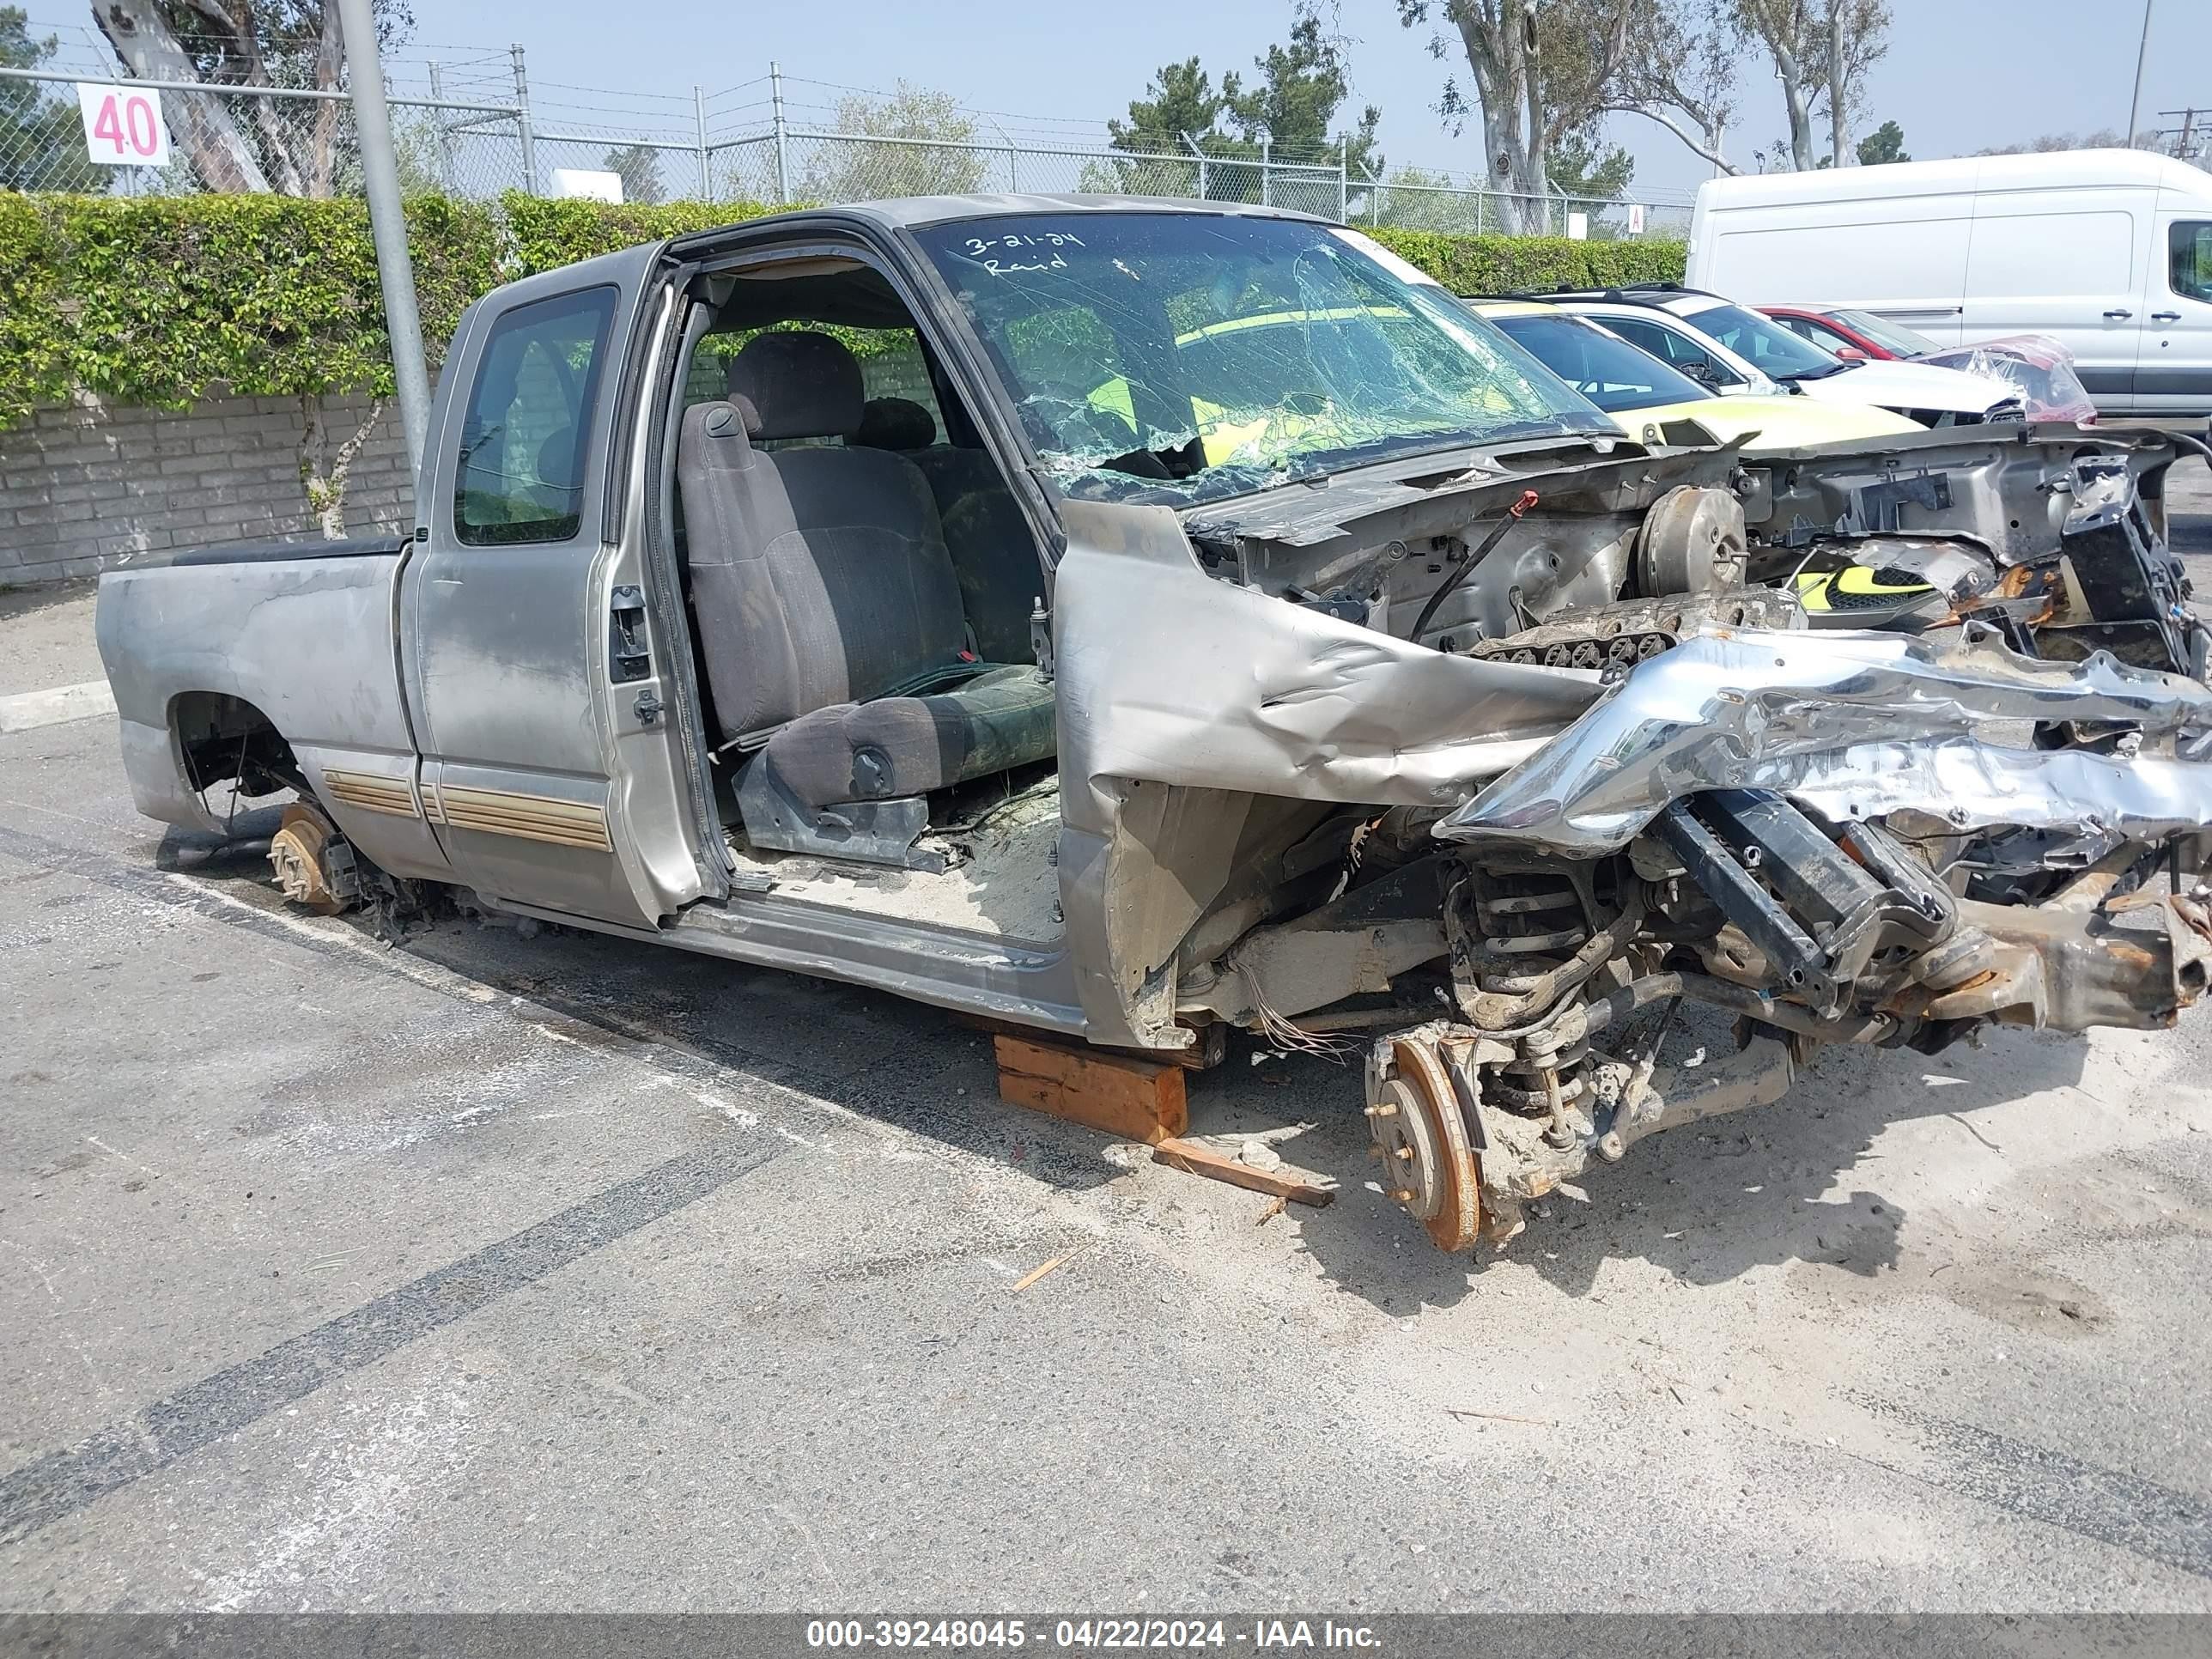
{"points": [[1189, 356]]}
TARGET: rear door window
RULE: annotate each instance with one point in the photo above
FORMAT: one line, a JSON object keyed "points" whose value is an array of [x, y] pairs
{"points": [[520, 475]]}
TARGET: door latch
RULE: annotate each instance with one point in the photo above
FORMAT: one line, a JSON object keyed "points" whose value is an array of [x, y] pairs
{"points": [[629, 656], [649, 706]]}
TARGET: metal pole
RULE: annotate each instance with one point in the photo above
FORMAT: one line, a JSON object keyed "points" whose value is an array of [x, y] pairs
{"points": [[1265, 185], [522, 118], [699, 113], [395, 273], [1343, 181], [2135, 102], [1191, 144], [438, 125], [783, 152]]}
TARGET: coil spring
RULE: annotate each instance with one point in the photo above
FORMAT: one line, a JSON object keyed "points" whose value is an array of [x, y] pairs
{"points": [[1530, 922]]}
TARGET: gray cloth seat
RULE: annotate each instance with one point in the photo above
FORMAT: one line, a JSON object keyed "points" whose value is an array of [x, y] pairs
{"points": [[829, 615], [897, 746], [993, 549]]}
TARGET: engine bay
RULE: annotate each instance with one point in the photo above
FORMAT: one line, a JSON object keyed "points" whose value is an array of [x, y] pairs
{"points": [[1879, 749]]}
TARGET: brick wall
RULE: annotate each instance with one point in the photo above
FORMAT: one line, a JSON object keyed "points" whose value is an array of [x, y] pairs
{"points": [[84, 488]]}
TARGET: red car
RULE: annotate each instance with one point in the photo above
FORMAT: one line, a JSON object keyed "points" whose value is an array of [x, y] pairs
{"points": [[2042, 368], [1854, 336]]}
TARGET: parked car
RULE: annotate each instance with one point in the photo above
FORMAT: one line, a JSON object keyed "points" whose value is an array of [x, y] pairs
{"points": [[1650, 400], [2039, 367], [2108, 251], [1851, 334], [1737, 352], [786, 592]]}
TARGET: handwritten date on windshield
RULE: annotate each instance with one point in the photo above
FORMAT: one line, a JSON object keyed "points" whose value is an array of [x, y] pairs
{"points": [[1006, 263]]}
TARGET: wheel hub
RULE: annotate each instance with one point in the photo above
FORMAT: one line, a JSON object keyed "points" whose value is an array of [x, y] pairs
{"points": [[1428, 1164], [296, 854]]}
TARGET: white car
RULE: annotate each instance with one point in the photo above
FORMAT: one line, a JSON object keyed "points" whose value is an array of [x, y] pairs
{"points": [[1738, 352]]}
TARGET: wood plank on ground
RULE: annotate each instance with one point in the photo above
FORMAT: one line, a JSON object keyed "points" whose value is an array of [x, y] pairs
{"points": [[1136, 1099], [1194, 1158]]}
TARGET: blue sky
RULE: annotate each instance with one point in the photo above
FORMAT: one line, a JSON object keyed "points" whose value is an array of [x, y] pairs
{"points": [[1960, 74]]}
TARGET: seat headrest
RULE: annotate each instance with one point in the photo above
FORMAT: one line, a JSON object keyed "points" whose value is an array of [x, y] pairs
{"points": [[556, 460], [895, 423], [796, 386]]}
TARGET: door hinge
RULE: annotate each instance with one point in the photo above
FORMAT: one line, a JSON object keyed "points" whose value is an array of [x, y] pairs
{"points": [[629, 656]]}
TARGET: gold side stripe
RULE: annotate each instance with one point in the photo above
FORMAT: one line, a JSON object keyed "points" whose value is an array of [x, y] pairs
{"points": [[370, 793], [531, 817]]}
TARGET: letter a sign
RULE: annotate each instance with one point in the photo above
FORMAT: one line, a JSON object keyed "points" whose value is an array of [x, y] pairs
{"points": [[123, 125]]}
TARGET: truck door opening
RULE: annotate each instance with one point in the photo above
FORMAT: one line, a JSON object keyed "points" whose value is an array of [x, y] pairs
{"points": [[861, 579]]}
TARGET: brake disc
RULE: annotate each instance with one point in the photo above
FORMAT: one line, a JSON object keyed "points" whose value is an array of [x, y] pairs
{"points": [[297, 853], [1428, 1163]]}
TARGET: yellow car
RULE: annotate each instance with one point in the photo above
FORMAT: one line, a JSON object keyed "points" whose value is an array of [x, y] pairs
{"points": [[1653, 402]]}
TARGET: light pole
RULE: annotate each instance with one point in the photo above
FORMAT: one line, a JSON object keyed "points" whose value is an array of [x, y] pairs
{"points": [[387, 224], [2135, 103]]}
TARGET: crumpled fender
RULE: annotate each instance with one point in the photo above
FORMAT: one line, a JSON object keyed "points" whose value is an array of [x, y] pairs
{"points": [[1170, 677]]}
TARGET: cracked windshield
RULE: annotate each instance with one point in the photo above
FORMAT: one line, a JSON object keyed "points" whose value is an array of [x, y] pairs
{"points": [[1185, 357]]}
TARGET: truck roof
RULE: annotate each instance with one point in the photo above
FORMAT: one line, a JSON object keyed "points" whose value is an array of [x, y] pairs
{"points": [[905, 212]]}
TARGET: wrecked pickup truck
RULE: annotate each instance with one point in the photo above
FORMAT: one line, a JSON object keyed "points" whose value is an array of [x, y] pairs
{"points": [[1131, 621]]}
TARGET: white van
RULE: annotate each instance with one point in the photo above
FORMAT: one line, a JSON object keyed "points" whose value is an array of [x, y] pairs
{"points": [[2109, 250]]}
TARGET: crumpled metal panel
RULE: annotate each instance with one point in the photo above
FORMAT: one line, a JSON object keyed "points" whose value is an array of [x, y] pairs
{"points": [[1850, 723], [1169, 674], [1179, 694], [1977, 786]]}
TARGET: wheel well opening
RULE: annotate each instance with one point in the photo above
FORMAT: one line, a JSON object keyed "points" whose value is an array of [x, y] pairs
{"points": [[224, 738]]}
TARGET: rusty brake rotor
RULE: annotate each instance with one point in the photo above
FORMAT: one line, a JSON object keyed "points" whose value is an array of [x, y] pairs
{"points": [[1428, 1166]]}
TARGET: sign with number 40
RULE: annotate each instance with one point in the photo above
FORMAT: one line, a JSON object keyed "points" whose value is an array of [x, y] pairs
{"points": [[123, 125]]}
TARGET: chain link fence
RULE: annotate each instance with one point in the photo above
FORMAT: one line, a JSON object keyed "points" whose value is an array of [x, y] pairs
{"points": [[473, 126]]}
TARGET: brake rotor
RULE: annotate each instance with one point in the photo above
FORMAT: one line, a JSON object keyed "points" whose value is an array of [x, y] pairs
{"points": [[295, 853], [1428, 1166]]}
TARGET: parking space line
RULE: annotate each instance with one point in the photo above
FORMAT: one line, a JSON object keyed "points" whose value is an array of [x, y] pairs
{"points": [[62, 1483]]}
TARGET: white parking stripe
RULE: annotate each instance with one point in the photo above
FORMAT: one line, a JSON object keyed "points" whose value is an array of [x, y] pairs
{"points": [[28, 710]]}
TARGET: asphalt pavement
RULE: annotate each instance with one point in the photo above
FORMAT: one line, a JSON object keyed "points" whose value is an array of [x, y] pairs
{"points": [[488, 1271]]}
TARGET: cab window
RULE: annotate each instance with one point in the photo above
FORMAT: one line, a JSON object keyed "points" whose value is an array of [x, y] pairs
{"points": [[2189, 257], [893, 366], [520, 477]]}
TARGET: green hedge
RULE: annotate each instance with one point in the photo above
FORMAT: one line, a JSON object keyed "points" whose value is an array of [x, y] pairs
{"points": [[543, 235], [1496, 265], [159, 300]]}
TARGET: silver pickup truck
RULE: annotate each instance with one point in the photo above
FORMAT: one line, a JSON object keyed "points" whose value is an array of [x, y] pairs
{"points": [[1131, 621]]}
